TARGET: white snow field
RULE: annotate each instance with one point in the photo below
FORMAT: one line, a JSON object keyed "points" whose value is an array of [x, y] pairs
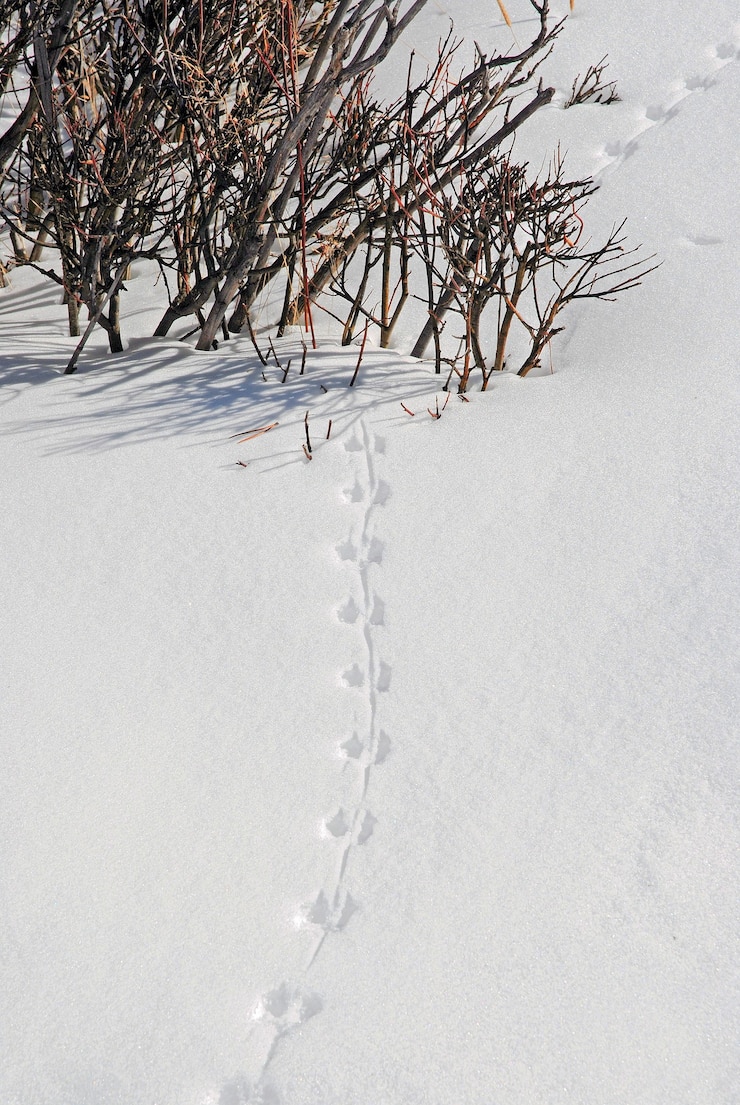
{"points": [[409, 775]]}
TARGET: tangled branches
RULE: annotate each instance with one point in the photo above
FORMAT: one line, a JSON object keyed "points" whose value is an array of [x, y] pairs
{"points": [[239, 142]]}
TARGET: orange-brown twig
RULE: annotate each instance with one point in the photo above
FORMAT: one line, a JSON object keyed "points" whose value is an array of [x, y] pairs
{"points": [[247, 435]]}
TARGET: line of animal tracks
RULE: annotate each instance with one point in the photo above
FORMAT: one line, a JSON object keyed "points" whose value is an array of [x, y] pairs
{"points": [[663, 110], [364, 749]]}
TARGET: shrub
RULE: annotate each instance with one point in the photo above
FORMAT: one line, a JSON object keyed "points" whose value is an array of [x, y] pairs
{"points": [[239, 142]]}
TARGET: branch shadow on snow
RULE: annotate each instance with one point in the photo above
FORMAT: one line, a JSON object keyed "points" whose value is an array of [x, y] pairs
{"points": [[162, 388]]}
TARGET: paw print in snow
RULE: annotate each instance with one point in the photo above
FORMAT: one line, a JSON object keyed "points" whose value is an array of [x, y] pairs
{"points": [[337, 826], [330, 915], [287, 1006]]}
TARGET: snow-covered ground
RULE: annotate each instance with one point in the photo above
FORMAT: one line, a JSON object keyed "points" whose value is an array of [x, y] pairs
{"points": [[407, 775]]}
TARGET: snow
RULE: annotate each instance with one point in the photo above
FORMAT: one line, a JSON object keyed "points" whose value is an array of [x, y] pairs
{"points": [[408, 774]]}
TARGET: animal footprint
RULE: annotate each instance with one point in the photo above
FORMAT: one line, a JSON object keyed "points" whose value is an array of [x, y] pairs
{"points": [[352, 748], [355, 494], [727, 50], [354, 445], [331, 916], [656, 113], [384, 678], [337, 825], [621, 150], [354, 676], [347, 550], [350, 612], [366, 829], [383, 748], [356, 749], [375, 551], [377, 614], [699, 84], [287, 1006], [703, 240], [382, 493]]}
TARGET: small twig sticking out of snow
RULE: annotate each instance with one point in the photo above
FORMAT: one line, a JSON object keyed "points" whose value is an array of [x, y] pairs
{"points": [[309, 450], [592, 89], [437, 413], [359, 359], [272, 350], [303, 359], [286, 370], [412, 413], [328, 432], [253, 339], [309, 456]]}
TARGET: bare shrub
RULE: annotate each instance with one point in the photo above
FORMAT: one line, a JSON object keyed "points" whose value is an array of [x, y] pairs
{"points": [[518, 244], [592, 88], [241, 143]]}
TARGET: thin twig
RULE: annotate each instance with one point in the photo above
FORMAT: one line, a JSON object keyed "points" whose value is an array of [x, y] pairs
{"points": [[247, 435], [359, 359]]}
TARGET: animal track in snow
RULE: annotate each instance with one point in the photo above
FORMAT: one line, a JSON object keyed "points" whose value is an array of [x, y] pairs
{"points": [[366, 828], [355, 494], [727, 51], [287, 1006], [358, 750], [353, 748], [659, 113], [365, 495], [382, 493], [338, 825], [384, 677], [703, 240], [354, 676], [699, 83], [656, 113], [375, 551], [382, 747], [620, 151], [377, 614], [331, 914], [352, 826], [347, 550], [349, 612]]}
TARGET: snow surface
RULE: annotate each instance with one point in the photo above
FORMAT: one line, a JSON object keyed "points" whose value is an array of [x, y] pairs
{"points": [[407, 775]]}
